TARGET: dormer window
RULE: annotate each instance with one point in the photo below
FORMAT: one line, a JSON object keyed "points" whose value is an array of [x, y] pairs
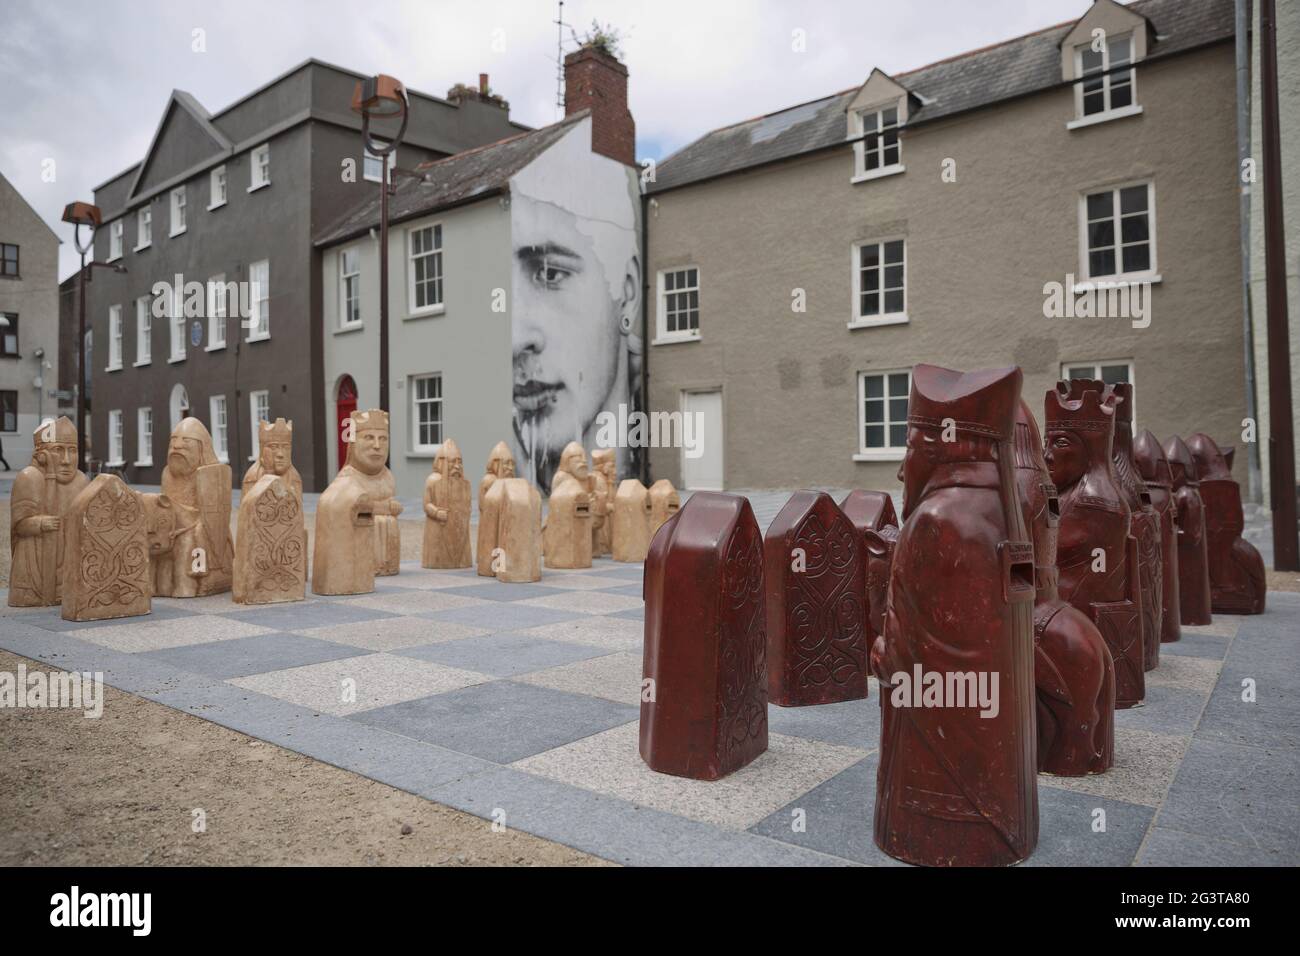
{"points": [[1102, 91], [876, 115]]}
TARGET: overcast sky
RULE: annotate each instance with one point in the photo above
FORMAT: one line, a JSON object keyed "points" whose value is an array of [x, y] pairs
{"points": [[85, 81]]}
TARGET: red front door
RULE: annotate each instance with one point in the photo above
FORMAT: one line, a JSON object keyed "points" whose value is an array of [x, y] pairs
{"points": [[347, 404]]}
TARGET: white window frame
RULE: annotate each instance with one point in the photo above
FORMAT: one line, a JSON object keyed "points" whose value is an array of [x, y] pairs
{"points": [[1151, 274], [255, 399], [217, 418], [143, 227], [179, 210], [115, 451], [439, 306], [860, 171], [1096, 367], [259, 298], [344, 278], [368, 157], [1109, 113], [218, 312], [144, 437], [143, 332], [858, 320], [887, 452], [218, 178], [115, 231], [259, 167], [662, 335], [114, 339], [176, 327], [418, 447]]}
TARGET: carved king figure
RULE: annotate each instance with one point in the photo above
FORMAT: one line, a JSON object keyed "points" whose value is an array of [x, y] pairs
{"points": [[42, 494]]}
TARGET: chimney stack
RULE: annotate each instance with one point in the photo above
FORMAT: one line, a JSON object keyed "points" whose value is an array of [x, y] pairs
{"points": [[483, 84], [596, 81]]}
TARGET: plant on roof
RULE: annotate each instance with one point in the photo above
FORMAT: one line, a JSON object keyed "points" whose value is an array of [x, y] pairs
{"points": [[602, 37]]}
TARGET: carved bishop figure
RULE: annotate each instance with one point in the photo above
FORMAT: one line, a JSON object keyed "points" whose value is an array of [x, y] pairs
{"points": [[1153, 466], [664, 503], [271, 546], [41, 495], [106, 572], [446, 511], [1237, 581], [1193, 555], [510, 532], [957, 783], [704, 714], [631, 521]]}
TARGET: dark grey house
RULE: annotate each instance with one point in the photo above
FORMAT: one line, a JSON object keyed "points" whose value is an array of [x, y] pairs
{"points": [[219, 313]]}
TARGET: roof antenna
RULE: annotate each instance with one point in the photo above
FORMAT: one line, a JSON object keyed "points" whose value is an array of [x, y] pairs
{"points": [[559, 60]]}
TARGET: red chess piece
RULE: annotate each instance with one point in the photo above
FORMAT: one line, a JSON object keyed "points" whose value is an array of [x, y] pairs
{"points": [[1145, 525], [816, 604], [1073, 671], [1096, 556], [1154, 469], [704, 710], [957, 783], [872, 511], [1193, 556], [1237, 581]]}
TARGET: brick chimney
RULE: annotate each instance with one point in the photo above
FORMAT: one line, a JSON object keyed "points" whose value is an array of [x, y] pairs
{"points": [[596, 81]]}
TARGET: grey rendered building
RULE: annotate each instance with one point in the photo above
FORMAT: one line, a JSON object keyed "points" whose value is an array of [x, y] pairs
{"points": [[802, 262], [29, 323], [234, 197]]}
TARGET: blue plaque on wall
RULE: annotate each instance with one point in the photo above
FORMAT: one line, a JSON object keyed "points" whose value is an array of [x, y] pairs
{"points": [[196, 333]]}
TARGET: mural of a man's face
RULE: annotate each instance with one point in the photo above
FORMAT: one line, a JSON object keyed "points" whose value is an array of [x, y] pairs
{"points": [[566, 323], [370, 449]]}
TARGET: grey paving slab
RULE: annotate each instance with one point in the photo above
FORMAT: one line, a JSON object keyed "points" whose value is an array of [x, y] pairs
{"points": [[629, 590], [501, 721], [635, 614], [583, 582], [1070, 830], [855, 723], [394, 633], [1271, 720], [588, 602], [1166, 847], [300, 615], [618, 569], [503, 654], [501, 591], [502, 616], [1165, 710], [252, 655], [1193, 644], [49, 618]]}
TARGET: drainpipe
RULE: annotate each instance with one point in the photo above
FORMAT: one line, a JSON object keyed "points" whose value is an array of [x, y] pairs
{"points": [[645, 327], [1243, 12]]}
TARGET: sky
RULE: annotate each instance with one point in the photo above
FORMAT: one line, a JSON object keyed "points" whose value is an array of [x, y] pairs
{"points": [[86, 80]]}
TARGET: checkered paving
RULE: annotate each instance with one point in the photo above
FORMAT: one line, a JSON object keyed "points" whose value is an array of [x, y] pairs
{"points": [[523, 699]]}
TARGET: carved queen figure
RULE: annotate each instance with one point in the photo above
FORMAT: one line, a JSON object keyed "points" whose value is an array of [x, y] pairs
{"points": [[957, 783]]}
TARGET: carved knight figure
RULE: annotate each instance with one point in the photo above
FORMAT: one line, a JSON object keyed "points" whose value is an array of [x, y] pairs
{"points": [[1073, 671], [1237, 581], [1193, 555], [191, 546], [604, 464], [816, 604], [1153, 466], [366, 467], [1096, 556], [957, 783], [705, 647], [664, 503], [41, 495], [510, 532], [106, 574], [271, 546], [1145, 526], [446, 511], [274, 457], [500, 464], [631, 521]]}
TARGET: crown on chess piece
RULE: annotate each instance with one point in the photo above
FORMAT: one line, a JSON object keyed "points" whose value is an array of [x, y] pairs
{"points": [[373, 418], [280, 430]]}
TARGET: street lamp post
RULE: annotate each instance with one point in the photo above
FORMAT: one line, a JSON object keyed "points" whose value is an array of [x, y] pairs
{"points": [[82, 214], [381, 97]]}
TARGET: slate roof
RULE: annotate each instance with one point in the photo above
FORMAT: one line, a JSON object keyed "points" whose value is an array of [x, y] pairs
{"points": [[979, 78], [465, 177]]}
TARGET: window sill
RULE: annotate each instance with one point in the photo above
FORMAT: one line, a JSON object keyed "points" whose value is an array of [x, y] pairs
{"points": [[878, 173], [426, 311], [1106, 117], [114, 258], [345, 329], [1116, 282], [264, 337], [142, 363], [881, 454], [112, 368], [175, 233], [422, 453], [175, 358], [215, 348], [143, 464], [255, 188], [897, 318], [115, 464], [144, 247], [216, 205], [675, 339]]}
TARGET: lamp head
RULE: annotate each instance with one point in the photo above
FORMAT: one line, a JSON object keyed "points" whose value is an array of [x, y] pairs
{"points": [[82, 214], [379, 96]]}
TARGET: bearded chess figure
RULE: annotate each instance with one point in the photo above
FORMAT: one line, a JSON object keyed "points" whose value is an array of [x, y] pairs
{"points": [[1237, 581], [957, 783], [1096, 554], [500, 464], [193, 550], [447, 505], [1073, 671], [41, 495], [1153, 466], [1193, 548]]}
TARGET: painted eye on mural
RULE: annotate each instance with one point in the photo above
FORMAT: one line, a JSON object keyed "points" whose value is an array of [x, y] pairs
{"points": [[550, 275]]}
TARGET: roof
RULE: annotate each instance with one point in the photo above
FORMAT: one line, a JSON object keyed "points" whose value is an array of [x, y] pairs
{"points": [[465, 177], [32, 209], [983, 77]]}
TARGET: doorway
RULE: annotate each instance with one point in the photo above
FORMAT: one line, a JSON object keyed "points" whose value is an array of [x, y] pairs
{"points": [[704, 472], [346, 402]]}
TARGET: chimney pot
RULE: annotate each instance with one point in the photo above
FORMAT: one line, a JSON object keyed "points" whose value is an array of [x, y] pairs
{"points": [[483, 83], [596, 81]]}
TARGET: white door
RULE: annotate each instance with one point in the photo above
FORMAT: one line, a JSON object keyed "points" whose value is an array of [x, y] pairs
{"points": [[702, 464]]}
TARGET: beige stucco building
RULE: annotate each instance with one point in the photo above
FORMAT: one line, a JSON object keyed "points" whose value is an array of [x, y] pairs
{"points": [[800, 263]]}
